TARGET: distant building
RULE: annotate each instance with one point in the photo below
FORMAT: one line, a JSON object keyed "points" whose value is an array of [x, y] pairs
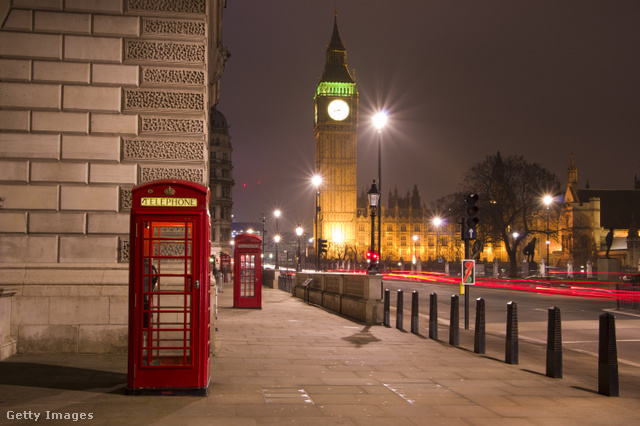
{"points": [[588, 215], [220, 183]]}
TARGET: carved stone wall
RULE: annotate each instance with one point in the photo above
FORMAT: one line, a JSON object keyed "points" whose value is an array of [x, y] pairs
{"points": [[172, 27], [163, 51], [139, 99], [147, 149], [148, 174], [172, 125], [182, 6], [172, 76]]}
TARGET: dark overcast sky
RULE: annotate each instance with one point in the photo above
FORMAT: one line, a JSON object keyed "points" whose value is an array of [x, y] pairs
{"points": [[460, 80]]}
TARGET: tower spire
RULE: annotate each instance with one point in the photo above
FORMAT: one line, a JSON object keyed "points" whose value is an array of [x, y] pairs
{"points": [[573, 174], [335, 69]]}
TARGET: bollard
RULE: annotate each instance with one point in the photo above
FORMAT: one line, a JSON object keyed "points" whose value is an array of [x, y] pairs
{"points": [[554, 344], [414, 312], [386, 321], [479, 338], [433, 316], [454, 321], [399, 311], [608, 356], [511, 343]]}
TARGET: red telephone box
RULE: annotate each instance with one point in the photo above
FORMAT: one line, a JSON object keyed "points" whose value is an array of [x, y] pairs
{"points": [[247, 273], [225, 266], [169, 279]]}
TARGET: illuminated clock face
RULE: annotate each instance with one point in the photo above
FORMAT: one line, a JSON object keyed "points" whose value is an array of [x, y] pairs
{"points": [[338, 110]]}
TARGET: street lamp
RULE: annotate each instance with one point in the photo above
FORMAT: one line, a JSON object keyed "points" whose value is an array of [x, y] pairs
{"points": [[437, 222], [317, 181], [277, 240], [415, 243], [548, 199], [374, 198], [299, 231], [379, 120]]}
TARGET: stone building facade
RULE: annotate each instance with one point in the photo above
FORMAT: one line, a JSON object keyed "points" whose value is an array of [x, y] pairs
{"points": [[220, 183], [96, 96]]}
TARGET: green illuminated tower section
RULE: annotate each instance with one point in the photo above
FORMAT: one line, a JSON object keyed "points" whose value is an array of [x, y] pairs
{"points": [[336, 131]]}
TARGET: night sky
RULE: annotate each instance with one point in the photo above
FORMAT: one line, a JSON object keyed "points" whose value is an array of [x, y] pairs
{"points": [[460, 80]]}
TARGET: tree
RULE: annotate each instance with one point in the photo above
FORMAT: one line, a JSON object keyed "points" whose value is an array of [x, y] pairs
{"points": [[511, 192]]}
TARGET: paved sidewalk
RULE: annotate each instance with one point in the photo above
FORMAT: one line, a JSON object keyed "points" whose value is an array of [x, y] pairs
{"points": [[291, 363]]}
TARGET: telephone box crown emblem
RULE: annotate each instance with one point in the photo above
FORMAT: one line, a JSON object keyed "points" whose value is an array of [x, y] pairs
{"points": [[169, 191]]}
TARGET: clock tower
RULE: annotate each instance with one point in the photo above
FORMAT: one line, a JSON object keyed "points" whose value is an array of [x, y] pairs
{"points": [[336, 130]]}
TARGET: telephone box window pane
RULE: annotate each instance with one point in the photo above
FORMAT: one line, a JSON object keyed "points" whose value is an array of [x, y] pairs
{"points": [[247, 275], [167, 311]]}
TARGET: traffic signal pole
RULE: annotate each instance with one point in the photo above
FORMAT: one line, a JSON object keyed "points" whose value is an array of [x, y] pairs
{"points": [[468, 232], [466, 289]]}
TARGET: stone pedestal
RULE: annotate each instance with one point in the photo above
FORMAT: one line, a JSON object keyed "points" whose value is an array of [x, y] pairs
{"points": [[7, 343], [607, 268]]}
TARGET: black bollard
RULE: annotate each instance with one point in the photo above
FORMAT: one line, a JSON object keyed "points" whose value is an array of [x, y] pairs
{"points": [[414, 312], [608, 357], [454, 321], [479, 337], [511, 343], [399, 311], [386, 320], [433, 316], [554, 344]]}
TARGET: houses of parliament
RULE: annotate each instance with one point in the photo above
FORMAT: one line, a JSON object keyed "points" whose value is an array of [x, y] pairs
{"points": [[409, 231]]}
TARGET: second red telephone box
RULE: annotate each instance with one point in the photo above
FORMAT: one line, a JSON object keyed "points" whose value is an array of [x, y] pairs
{"points": [[247, 273]]}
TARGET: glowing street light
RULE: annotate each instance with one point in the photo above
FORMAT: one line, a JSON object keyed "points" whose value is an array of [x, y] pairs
{"points": [[379, 121], [437, 221], [547, 200], [277, 240], [299, 232]]}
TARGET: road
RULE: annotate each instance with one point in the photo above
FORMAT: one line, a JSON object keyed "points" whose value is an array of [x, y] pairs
{"points": [[580, 317]]}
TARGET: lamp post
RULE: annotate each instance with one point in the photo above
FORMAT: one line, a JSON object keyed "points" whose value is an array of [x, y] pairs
{"points": [[277, 240], [437, 222], [263, 239], [548, 199], [299, 231], [379, 120], [415, 243], [374, 198], [317, 180]]}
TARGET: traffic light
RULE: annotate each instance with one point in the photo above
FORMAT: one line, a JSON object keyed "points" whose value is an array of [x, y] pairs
{"points": [[471, 220], [322, 247], [373, 256]]}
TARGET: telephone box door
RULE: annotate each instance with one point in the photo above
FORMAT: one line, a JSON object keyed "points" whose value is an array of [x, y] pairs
{"points": [[169, 331], [247, 279]]}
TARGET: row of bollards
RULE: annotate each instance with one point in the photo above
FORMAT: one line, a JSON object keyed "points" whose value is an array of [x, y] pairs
{"points": [[607, 352]]}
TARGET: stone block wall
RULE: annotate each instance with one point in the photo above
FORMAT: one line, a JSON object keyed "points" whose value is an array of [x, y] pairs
{"points": [[96, 96], [355, 296]]}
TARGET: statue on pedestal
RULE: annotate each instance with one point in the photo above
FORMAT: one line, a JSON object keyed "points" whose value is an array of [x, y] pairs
{"points": [[609, 240]]}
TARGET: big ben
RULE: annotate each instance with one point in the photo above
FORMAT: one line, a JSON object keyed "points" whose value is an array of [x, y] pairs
{"points": [[336, 130]]}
